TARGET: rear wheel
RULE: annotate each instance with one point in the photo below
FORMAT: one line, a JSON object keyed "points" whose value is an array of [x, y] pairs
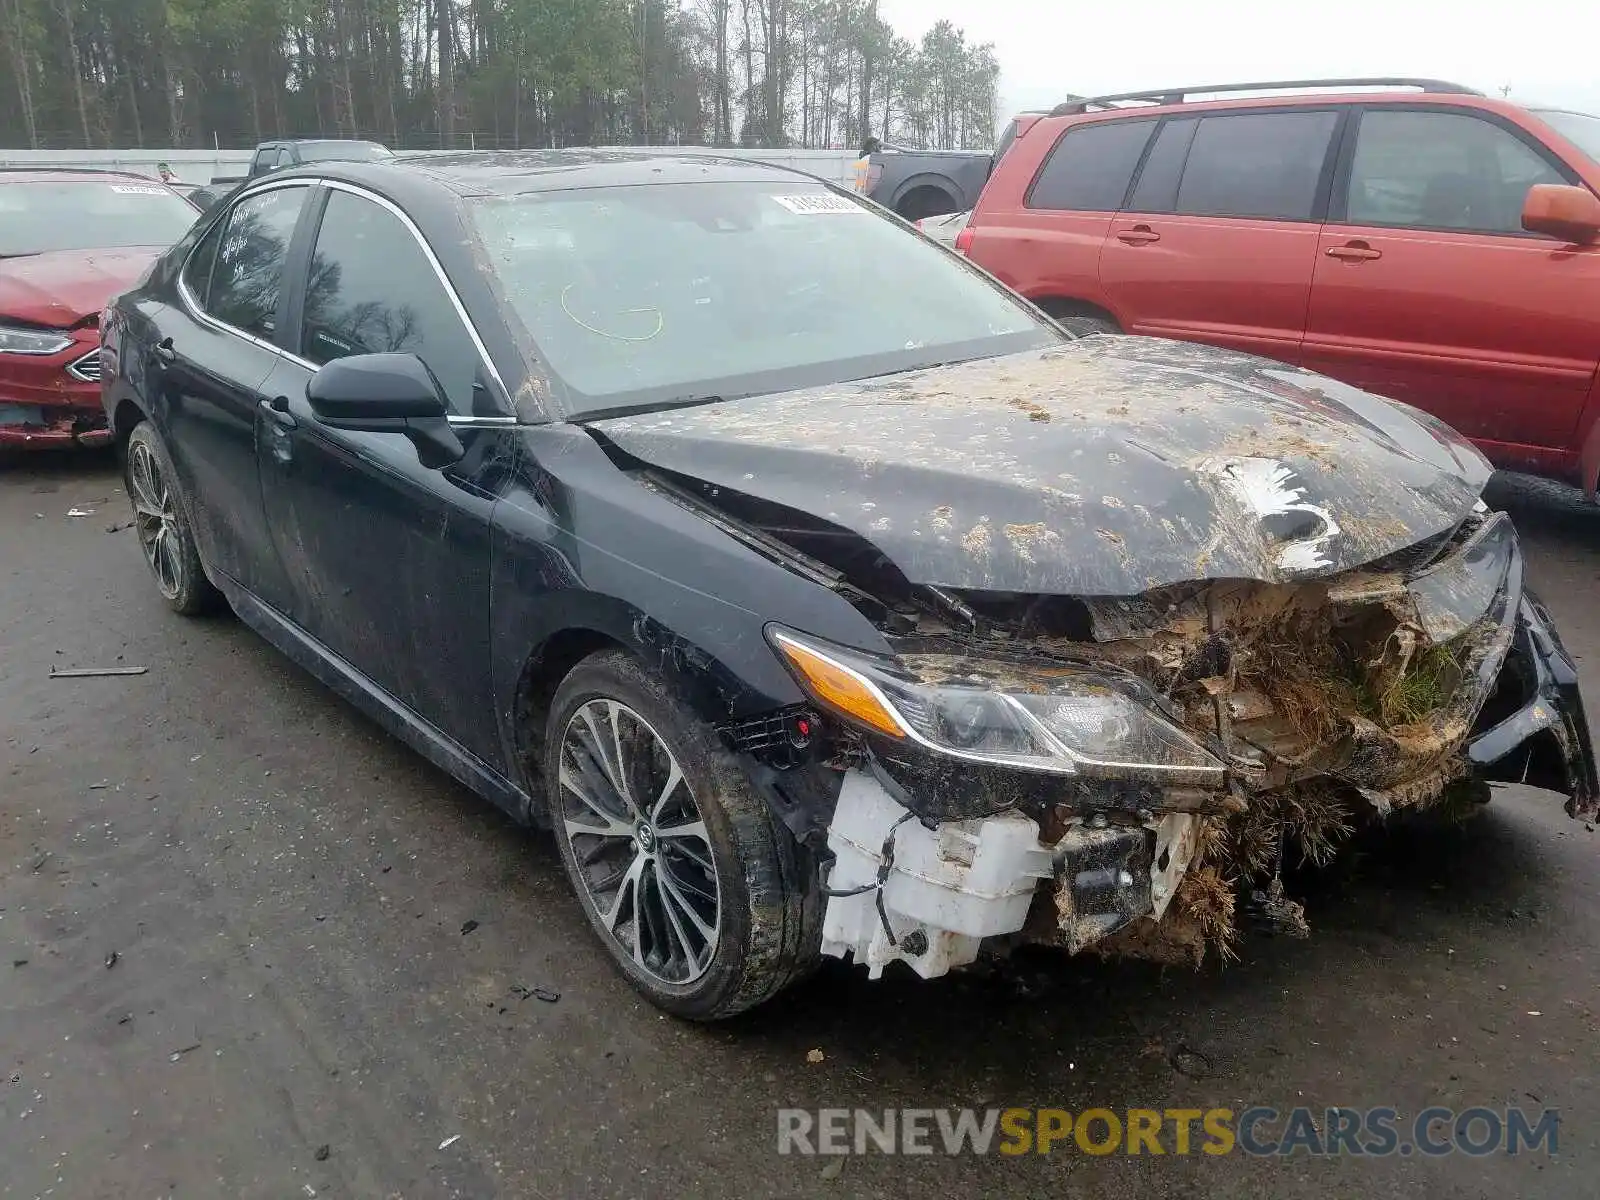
{"points": [[705, 902], [163, 525]]}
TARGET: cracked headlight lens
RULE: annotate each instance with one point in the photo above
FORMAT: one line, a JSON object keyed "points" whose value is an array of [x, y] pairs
{"points": [[32, 341], [1063, 722]]}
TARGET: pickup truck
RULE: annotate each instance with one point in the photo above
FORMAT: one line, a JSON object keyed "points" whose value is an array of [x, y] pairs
{"points": [[919, 184], [294, 152]]}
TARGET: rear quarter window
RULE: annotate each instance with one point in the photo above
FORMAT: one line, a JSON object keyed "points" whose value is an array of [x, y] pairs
{"points": [[1091, 166]]}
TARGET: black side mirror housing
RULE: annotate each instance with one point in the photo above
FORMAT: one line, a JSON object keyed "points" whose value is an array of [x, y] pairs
{"points": [[387, 393]]}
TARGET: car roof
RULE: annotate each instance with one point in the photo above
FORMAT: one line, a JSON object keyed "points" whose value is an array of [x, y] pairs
{"points": [[516, 172], [1301, 99], [70, 175]]}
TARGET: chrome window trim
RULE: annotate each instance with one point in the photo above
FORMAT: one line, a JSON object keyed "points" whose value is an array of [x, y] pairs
{"points": [[193, 305], [338, 185]]}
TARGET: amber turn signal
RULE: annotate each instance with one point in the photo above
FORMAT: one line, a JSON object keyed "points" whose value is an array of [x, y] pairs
{"points": [[835, 685]]}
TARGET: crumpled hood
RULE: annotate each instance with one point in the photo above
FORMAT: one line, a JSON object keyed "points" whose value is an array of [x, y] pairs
{"points": [[1107, 467], [64, 286]]}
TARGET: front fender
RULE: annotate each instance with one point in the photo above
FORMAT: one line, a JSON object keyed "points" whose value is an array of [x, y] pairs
{"points": [[581, 547]]}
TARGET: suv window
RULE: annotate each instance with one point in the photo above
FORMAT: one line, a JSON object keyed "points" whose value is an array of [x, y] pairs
{"points": [[247, 281], [1091, 166], [1157, 190], [373, 291], [265, 160], [1257, 164], [1435, 170]]}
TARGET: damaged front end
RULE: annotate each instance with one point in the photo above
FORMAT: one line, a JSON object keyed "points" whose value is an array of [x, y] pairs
{"points": [[1131, 775], [1152, 621]]}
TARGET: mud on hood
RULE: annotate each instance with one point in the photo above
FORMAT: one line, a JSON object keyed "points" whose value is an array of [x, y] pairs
{"points": [[1107, 467]]}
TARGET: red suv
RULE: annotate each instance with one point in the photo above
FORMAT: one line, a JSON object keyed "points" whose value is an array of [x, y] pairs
{"points": [[70, 242], [1422, 241]]}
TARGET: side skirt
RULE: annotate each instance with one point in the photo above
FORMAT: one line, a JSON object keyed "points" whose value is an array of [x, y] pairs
{"points": [[398, 720]]}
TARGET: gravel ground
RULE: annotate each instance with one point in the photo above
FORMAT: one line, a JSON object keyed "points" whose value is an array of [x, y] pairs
{"points": [[251, 947]]}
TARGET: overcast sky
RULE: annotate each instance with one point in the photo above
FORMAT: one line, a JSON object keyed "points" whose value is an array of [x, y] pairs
{"points": [[1545, 49]]}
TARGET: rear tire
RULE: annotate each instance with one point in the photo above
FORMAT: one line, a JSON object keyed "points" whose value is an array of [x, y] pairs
{"points": [[703, 899], [161, 520]]}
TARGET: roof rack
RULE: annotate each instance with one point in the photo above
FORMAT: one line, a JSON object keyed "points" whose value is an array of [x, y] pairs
{"points": [[1181, 95]]}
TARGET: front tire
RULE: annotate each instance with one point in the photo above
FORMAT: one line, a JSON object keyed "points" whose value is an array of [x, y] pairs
{"points": [[707, 904], [163, 527]]}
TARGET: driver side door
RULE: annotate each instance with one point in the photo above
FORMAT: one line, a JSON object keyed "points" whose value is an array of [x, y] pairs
{"points": [[388, 560]]}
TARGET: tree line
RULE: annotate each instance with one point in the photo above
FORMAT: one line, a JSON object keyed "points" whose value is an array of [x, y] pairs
{"points": [[452, 74]]}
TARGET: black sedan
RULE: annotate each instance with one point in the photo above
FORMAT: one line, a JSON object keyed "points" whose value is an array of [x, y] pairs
{"points": [[818, 593]]}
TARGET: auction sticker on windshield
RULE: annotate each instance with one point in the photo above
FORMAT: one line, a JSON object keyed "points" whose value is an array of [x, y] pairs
{"points": [[819, 203], [122, 190]]}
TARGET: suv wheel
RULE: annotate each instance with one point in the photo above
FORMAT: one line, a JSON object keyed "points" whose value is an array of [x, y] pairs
{"points": [[707, 904], [163, 525]]}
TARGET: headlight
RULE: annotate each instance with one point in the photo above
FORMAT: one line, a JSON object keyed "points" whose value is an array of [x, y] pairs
{"points": [[1065, 722], [32, 341]]}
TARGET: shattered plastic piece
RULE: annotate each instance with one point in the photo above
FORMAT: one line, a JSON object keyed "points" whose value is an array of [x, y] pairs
{"points": [[322, 1153], [80, 512], [468, 927], [450, 1141]]}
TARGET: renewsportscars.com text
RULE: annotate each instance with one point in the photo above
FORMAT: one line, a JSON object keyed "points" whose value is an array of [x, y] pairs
{"points": [[1257, 1131]]}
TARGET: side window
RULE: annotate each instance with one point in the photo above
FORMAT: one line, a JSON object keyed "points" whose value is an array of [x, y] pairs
{"points": [[1434, 170], [373, 291], [1257, 165], [197, 271], [1157, 189], [265, 160], [247, 280], [1090, 167]]}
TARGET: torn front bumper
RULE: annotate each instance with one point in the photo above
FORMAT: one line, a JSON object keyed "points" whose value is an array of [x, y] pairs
{"points": [[1543, 741], [53, 400], [909, 889]]}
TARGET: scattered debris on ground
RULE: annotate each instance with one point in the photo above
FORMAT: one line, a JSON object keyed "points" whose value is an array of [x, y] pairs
{"points": [[94, 672]]}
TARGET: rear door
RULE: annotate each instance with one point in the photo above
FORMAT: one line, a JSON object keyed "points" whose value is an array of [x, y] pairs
{"points": [[1218, 240], [214, 351], [1048, 247], [388, 560], [1428, 289]]}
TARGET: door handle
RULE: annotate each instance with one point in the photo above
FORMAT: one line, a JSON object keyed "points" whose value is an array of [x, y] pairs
{"points": [[277, 410], [164, 353], [1354, 252], [1139, 235]]}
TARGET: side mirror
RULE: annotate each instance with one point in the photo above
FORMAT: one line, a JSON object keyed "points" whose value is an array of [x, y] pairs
{"points": [[387, 393], [1561, 211]]}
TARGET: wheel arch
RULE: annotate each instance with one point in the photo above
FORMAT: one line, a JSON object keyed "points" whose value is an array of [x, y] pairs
{"points": [[584, 624], [926, 183], [1072, 306]]}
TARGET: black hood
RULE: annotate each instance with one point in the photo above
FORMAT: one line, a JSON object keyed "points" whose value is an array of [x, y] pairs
{"points": [[1107, 467]]}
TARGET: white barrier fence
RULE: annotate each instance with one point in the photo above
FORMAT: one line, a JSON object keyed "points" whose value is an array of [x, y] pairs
{"points": [[201, 166]]}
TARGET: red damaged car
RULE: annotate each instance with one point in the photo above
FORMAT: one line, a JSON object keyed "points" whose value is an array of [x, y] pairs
{"points": [[70, 242]]}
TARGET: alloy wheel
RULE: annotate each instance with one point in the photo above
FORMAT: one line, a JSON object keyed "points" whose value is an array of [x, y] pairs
{"points": [[639, 842], [156, 518]]}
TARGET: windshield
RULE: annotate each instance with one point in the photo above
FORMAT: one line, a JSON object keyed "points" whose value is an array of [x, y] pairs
{"points": [[1579, 128], [90, 215], [645, 296]]}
